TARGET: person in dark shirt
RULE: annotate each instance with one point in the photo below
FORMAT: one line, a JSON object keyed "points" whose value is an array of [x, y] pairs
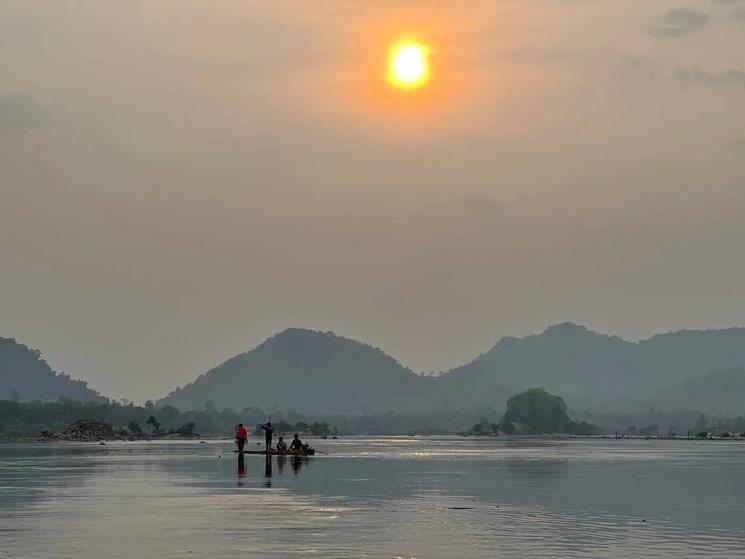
{"points": [[268, 431], [296, 444], [241, 435]]}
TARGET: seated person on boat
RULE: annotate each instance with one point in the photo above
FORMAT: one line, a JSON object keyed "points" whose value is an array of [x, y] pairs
{"points": [[296, 445], [281, 446]]}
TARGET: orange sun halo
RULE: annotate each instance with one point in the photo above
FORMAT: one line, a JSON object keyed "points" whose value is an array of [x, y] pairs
{"points": [[408, 65]]}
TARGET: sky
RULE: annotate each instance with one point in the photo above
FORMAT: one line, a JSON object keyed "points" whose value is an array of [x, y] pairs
{"points": [[181, 180]]}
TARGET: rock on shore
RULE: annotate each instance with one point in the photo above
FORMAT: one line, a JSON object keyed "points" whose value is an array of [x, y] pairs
{"points": [[83, 430]]}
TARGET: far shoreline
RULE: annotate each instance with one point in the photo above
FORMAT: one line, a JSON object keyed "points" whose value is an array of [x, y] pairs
{"points": [[226, 439]]}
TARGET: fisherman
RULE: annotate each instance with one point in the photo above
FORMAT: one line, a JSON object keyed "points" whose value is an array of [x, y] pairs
{"points": [[281, 446], [268, 430], [296, 445], [241, 435]]}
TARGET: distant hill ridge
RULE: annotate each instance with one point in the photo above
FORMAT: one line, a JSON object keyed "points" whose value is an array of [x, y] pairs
{"points": [[587, 367], [306, 370], [309, 370], [24, 376]]}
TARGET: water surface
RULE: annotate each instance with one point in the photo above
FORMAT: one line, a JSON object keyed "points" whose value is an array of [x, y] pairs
{"points": [[376, 497]]}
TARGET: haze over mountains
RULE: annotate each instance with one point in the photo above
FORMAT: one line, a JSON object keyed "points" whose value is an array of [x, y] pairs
{"points": [[311, 371]]}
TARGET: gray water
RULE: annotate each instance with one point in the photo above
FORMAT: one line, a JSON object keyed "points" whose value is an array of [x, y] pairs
{"points": [[375, 497]]}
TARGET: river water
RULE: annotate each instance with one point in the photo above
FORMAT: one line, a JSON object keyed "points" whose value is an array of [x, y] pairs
{"points": [[375, 497]]}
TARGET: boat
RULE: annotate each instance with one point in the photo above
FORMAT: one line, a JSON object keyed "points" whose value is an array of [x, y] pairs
{"points": [[305, 452]]}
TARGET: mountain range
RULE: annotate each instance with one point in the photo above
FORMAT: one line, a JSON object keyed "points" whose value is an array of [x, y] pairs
{"points": [[312, 371], [593, 370]]}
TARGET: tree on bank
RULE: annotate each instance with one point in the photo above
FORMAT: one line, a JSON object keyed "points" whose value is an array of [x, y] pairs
{"points": [[484, 427], [134, 428], [536, 412], [187, 430], [154, 424]]}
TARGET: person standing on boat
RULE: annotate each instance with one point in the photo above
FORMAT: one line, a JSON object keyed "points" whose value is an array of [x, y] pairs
{"points": [[268, 431], [241, 435]]}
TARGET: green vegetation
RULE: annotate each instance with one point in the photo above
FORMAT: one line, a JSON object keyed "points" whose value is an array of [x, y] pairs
{"points": [[532, 412], [484, 427], [536, 412], [508, 428], [154, 425], [653, 423], [134, 428], [30, 419], [187, 430]]}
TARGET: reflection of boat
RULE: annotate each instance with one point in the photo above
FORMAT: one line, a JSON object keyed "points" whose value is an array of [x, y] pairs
{"points": [[305, 452]]}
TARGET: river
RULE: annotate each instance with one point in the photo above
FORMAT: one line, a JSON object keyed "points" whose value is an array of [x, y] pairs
{"points": [[389, 497]]}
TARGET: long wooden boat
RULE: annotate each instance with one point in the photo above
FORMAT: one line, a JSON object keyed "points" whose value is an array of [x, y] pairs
{"points": [[308, 452]]}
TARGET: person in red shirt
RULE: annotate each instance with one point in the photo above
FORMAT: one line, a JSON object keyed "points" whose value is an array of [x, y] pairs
{"points": [[241, 435]]}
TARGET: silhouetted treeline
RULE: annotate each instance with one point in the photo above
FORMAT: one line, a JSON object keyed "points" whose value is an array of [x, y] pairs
{"points": [[30, 419], [655, 422]]}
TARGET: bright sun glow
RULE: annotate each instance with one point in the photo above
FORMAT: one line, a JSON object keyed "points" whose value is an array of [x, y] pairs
{"points": [[408, 65]]}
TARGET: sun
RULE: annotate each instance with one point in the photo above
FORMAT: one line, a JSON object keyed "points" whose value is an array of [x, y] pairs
{"points": [[408, 65]]}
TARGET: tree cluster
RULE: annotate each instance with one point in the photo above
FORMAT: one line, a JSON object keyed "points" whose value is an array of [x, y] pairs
{"points": [[536, 412]]}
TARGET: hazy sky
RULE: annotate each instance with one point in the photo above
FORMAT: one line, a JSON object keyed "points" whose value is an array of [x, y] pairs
{"points": [[180, 180]]}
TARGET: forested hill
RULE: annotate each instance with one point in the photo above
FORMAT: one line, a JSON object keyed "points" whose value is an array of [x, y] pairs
{"points": [[588, 368], [312, 371], [24, 376], [308, 370]]}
